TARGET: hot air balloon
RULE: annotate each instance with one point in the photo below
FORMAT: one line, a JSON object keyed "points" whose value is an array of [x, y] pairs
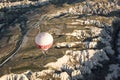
{"points": [[44, 41]]}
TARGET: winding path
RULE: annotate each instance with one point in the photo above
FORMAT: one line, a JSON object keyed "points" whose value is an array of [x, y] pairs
{"points": [[20, 42]]}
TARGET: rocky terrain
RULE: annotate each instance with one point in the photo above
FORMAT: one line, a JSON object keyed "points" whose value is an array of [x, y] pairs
{"points": [[86, 41]]}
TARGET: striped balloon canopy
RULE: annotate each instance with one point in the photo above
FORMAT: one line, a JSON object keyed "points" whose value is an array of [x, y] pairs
{"points": [[44, 40]]}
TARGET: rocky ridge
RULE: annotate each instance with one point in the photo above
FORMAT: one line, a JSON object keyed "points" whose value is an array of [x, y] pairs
{"points": [[22, 4]]}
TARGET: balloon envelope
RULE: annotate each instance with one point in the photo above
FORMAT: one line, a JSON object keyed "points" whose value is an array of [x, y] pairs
{"points": [[44, 40]]}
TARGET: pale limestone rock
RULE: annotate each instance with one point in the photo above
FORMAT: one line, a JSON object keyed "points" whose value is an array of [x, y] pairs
{"points": [[41, 75], [14, 77], [89, 44], [56, 75], [85, 55], [96, 31], [28, 74], [78, 33], [59, 63], [72, 11], [22, 4], [93, 55], [76, 74], [83, 33], [87, 22], [64, 76], [68, 44], [89, 58], [94, 22]]}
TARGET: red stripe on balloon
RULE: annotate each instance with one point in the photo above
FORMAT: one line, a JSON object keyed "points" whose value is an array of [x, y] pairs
{"points": [[45, 47]]}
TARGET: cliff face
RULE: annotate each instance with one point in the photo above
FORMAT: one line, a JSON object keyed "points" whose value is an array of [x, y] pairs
{"points": [[86, 43]]}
